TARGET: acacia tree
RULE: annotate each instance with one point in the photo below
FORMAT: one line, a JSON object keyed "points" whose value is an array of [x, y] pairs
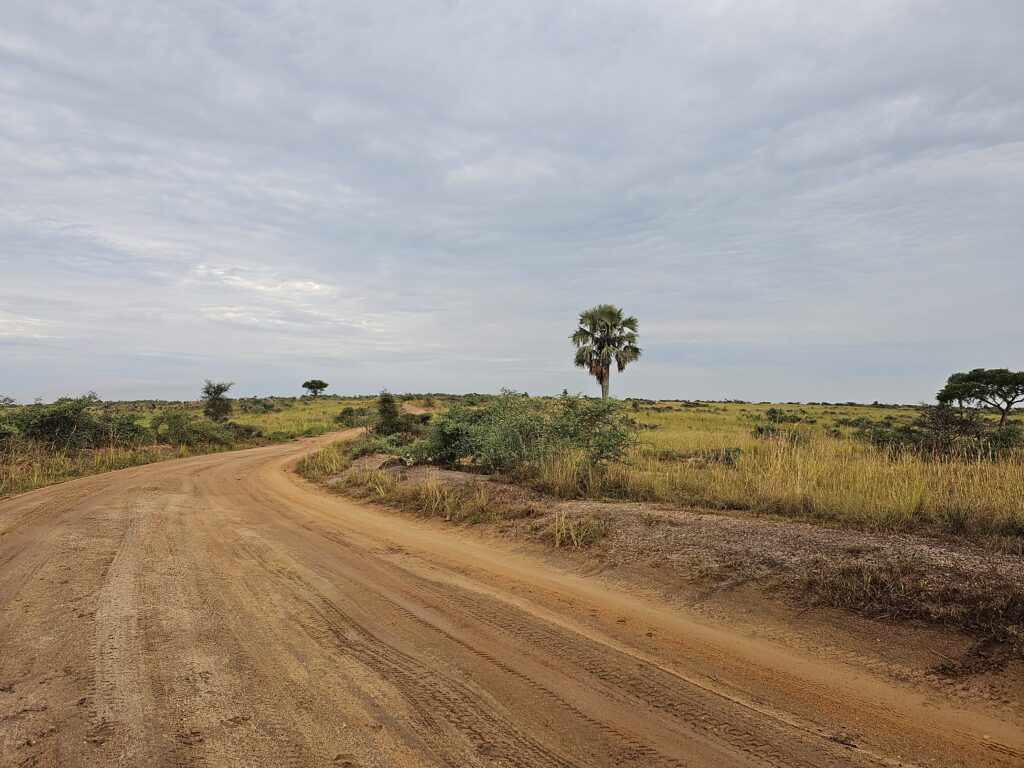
{"points": [[216, 406], [315, 386], [997, 388], [604, 336]]}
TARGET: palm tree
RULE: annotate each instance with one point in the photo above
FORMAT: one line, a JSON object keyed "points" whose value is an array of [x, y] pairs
{"points": [[605, 335]]}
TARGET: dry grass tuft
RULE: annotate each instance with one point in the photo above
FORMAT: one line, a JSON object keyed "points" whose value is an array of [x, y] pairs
{"points": [[468, 503], [579, 532], [902, 590]]}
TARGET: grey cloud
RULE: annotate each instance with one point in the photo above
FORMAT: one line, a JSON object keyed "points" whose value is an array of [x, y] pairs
{"points": [[423, 194]]}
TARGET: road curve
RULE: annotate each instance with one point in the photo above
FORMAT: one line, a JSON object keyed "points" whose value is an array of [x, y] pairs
{"points": [[221, 611]]}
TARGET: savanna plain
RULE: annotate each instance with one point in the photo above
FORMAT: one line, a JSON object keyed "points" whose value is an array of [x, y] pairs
{"points": [[432, 579]]}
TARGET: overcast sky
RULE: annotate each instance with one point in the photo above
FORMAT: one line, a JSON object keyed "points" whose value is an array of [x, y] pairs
{"points": [[798, 200]]}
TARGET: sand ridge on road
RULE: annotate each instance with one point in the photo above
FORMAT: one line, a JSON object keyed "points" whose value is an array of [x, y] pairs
{"points": [[219, 610]]}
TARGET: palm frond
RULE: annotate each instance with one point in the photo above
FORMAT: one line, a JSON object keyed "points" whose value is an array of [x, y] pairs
{"points": [[602, 336]]}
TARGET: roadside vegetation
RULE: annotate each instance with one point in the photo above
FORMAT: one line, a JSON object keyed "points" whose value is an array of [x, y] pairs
{"points": [[939, 469], [546, 467], [45, 443]]}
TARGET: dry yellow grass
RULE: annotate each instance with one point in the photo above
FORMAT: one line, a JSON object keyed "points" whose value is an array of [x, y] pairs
{"points": [[25, 466], [709, 456]]}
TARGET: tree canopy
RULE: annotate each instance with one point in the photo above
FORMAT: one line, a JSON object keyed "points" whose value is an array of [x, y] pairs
{"points": [[604, 336], [315, 386], [216, 405], [998, 388]]}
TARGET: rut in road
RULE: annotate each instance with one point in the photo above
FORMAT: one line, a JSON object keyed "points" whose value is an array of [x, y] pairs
{"points": [[565, 666], [220, 611]]}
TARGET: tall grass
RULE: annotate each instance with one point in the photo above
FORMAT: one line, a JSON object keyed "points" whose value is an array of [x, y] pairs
{"points": [[453, 503], [468, 503], [819, 478], [325, 462], [25, 465], [306, 417]]}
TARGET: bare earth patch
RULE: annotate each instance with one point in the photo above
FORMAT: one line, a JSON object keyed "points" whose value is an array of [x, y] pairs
{"points": [[954, 583]]}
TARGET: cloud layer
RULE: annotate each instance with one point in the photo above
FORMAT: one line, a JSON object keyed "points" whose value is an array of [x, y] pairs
{"points": [[798, 200]]}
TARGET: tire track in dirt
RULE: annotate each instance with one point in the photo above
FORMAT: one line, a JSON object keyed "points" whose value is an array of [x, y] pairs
{"points": [[215, 611], [440, 705], [609, 673]]}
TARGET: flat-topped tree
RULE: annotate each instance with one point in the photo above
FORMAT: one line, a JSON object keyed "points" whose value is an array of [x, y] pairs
{"points": [[998, 388], [315, 386], [605, 336]]}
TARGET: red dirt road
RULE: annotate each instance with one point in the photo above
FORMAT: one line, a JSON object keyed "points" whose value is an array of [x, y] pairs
{"points": [[221, 611]]}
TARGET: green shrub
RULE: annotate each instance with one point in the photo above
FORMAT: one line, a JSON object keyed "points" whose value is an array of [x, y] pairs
{"points": [[777, 432], [243, 431], [351, 417], [945, 431], [181, 428], [513, 432], [8, 432], [389, 419], [216, 405], [599, 428], [75, 423], [451, 437], [259, 405], [779, 416], [123, 430], [367, 444]]}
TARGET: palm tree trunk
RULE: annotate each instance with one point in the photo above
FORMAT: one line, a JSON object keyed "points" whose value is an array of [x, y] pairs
{"points": [[604, 385]]}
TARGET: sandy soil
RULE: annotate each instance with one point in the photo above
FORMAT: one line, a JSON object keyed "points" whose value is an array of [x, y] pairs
{"points": [[221, 611]]}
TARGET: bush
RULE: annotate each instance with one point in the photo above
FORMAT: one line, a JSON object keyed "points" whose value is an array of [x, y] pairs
{"points": [[513, 432], [259, 405], [945, 431], [122, 430], [243, 431], [67, 423], [350, 417], [451, 437], [216, 405], [776, 432], [599, 428], [389, 419], [75, 423], [368, 444], [779, 416], [8, 432], [181, 428]]}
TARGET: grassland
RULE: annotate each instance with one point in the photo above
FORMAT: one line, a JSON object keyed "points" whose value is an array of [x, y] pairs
{"points": [[809, 466], [692, 454], [25, 464], [708, 455]]}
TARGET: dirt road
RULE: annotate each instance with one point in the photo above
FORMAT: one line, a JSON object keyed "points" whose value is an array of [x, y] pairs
{"points": [[221, 611]]}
